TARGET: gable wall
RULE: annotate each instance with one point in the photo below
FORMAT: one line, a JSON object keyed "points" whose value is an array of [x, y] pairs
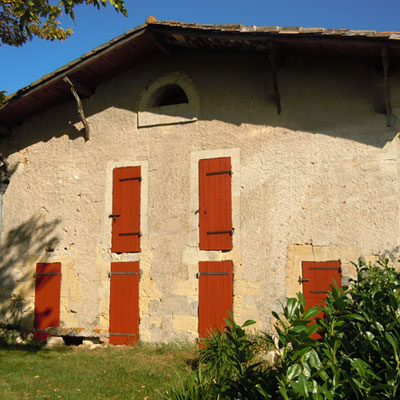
{"points": [[319, 181]]}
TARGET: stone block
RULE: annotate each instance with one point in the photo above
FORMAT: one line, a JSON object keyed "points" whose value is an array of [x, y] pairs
{"points": [[53, 341]]}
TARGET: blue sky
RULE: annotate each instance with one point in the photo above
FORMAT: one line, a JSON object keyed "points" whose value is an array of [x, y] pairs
{"points": [[23, 65]]}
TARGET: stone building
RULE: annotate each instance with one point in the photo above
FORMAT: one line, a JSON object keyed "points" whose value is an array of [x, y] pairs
{"points": [[181, 170]]}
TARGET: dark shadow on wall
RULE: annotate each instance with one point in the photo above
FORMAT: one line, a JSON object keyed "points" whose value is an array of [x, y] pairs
{"points": [[23, 245], [67, 123], [332, 96], [6, 172]]}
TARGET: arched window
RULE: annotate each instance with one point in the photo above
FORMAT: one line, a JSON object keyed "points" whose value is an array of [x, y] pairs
{"points": [[171, 99], [168, 95]]}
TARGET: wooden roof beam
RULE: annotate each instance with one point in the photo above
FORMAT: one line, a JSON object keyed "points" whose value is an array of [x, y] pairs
{"points": [[272, 61], [385, 63], [82, 90], [79, 105]]}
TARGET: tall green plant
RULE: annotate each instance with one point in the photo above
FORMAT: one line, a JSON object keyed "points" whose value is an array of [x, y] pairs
{"points": [[227, 369], [228, 351], [228, 357], [356, 357], [11, 321]]}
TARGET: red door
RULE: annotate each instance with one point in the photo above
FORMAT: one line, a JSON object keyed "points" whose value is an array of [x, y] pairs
{"points": [[215, 295], [126, 210], [124, 303], [317, 278], [47, 298], [215, 199]]}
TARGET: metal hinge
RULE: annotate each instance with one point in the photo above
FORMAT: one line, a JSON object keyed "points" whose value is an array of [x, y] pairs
{"points": [[121, 334], [221, 232], [121, 273], [211, 273], [219, 173], [326, 268], [131, 234], [319, 291], [45, 273], [114, 215], [136, 178]]}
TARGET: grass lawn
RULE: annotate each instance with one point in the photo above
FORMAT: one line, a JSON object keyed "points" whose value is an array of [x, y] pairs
{"points": [[140, 372]]}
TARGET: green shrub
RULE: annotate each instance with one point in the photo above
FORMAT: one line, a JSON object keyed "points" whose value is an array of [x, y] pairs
{"points": [[11, 321], [226, 368], [229, 359], [356, 357], [229, 351]]}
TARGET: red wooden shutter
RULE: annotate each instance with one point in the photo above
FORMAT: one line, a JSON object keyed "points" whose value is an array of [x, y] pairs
{"points": [[215, 295], [215, 197], [126, 210], [124, 303], [47, 298], [317, 278]]}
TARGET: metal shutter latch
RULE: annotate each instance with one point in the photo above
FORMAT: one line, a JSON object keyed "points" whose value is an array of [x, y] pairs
{"points": [[302, 280]]}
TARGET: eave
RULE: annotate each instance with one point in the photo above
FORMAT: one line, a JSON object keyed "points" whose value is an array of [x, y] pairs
{"points": [[140, 44]]}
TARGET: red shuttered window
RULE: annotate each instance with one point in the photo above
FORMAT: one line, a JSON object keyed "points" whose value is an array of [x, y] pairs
{"points": [[124, 303], [215, 295], [215, 198], [126, 210], [317, 278], [47, 298]]}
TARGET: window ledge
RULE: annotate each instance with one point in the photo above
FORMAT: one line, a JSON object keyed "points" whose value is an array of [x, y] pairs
{"points": [[167, 115]]}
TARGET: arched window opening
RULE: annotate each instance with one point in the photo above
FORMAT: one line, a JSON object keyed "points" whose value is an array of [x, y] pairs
{"points": [[169, 100], [168, 95]]}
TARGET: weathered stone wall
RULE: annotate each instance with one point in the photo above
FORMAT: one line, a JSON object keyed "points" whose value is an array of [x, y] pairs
{"points": [[317, 182]]}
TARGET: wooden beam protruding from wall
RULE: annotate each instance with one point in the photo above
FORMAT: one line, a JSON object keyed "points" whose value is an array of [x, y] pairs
{"points": [[272, 61], [79, 105], [82, 90], [385, 63]]}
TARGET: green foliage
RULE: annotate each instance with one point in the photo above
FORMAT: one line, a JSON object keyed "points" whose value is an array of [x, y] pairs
{"points": [[11, 321], [196, 387], [21, 20], [3, 96], [227, 369], [228, 351], [229, 359], [356, 357]]}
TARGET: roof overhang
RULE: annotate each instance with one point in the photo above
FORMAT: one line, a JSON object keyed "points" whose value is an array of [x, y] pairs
{"points": [[140, 44]]}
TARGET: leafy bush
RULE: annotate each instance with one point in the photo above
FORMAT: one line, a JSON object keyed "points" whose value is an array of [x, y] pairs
{"points": [[356, 357], [229, 357], [229, 351], [11, 321], [226, 368]]}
